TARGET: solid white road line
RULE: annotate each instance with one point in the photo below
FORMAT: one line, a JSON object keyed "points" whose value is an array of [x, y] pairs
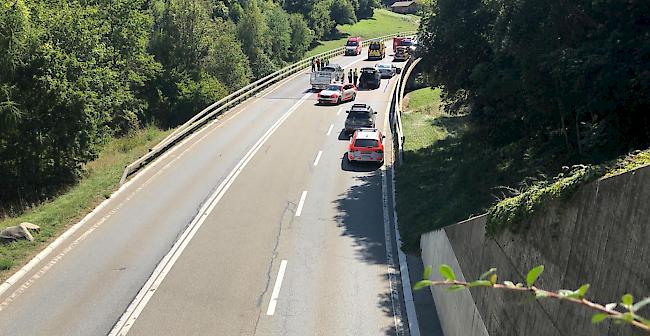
{"points": [[411, 314], [340, 110], [394, 294], [329, 131], [136, 307], [320, 153], [409, 303], [301, 203], [276, 288]]}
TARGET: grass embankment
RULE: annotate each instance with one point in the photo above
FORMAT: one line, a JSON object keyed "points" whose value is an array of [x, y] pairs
{"points": [[449, 175], [101, 179], [382, 23]]}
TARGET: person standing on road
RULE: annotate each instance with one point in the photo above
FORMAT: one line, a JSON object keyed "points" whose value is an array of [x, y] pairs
{"points": [[313, 64], [356, 76], [350, 76]]}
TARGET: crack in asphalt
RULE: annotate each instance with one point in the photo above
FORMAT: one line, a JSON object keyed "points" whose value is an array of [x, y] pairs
{"points": [[288, 212]]}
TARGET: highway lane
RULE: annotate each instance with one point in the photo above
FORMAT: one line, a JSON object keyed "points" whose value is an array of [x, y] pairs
{"points": [[335, 281], [86, 284]]}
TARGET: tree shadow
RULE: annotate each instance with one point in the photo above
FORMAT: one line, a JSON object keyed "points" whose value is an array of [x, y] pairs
{"points": [[360, 214]]}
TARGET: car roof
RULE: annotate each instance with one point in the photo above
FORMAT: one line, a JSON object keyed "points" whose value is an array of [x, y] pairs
{"points": [[360, 107], [367, 133]]}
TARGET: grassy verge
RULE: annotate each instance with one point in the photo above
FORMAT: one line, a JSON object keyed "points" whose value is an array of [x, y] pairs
{"points": [[449, 174], [102, 178], [382, 23]]}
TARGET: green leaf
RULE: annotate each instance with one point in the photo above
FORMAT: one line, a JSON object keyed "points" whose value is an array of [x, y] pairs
{"points": [[533, 274], [597, 318], [583, 290], [488, 273], [627, 299], [641, 304], [455, 288], [478, 283], [422, 284], [427, 272], [447, 272], [628, 317]]}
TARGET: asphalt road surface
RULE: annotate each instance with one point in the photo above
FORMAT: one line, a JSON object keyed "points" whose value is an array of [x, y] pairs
{"points": [[256, 225]]}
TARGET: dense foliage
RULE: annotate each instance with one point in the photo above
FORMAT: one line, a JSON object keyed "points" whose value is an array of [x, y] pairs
{"points": [[569, 80], [75, 72]]}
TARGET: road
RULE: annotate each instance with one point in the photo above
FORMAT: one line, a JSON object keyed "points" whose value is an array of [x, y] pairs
{"points": [[256, 225]]}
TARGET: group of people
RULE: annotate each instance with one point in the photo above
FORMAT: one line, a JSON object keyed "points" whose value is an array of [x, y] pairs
{"points": [[317, 64], [353, 77]]}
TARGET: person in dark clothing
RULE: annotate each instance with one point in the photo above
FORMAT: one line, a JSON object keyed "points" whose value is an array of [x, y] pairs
{"points": [[350, 76], [313, 64], [355, 77], [318, 64]]}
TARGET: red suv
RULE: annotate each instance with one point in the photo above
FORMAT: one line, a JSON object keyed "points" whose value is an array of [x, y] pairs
{"points": [[367, 144]]}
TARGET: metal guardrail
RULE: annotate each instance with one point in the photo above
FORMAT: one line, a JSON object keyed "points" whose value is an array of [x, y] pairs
{"points": [[399, 90], [232, 100]]}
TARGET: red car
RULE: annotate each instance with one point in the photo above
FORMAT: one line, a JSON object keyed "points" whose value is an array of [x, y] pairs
{"points": [[337, 93], [353, 46], [367, 144]]}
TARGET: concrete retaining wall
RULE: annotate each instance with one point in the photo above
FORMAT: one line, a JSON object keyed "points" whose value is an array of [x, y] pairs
{"points": [[600, 236]]}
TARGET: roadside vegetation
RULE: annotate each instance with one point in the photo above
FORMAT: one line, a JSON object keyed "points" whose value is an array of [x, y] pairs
{"points": [[532, 110], [382, 23], [101, 177], [88, 87]]}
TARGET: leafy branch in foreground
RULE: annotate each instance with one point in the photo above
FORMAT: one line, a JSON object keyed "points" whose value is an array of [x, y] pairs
{"points": [[628, 314]]}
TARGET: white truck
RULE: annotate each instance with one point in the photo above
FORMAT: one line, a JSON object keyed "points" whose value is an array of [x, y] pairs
{"points": [[329, 74]]}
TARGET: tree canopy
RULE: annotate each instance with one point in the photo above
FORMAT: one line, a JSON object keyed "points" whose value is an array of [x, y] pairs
{"points": [[75, 72], [569, 76]]}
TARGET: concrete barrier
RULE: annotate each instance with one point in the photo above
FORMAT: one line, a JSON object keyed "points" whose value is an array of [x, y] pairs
{"points": [[600, 236]]}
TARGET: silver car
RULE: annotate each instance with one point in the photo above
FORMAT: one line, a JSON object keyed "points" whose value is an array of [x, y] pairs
{"points": [[386, 70]]}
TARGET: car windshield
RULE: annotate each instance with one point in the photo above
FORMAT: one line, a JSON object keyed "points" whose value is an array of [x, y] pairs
{"points": [[383, 66], [374, 46], [333, 88], [406, 43], [328, 69], [352, 43], [366, 143]]}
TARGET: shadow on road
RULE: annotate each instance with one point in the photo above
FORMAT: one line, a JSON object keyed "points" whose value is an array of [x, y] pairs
{"points": [[360, 214], [346, 165]]}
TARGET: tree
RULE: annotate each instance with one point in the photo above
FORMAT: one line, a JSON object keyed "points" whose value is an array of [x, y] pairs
{"points": [[342, 12], [301, 37]]}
